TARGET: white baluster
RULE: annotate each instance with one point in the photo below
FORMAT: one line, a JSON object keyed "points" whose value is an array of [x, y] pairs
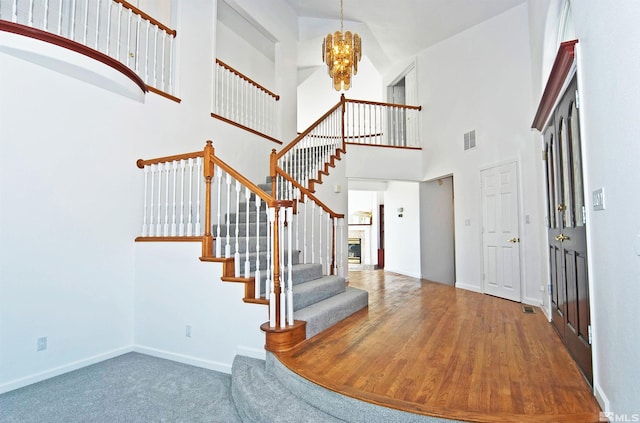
{"points": [[304, 238], [145, 227], [227, 246], [128, 52], [73, 20], [290, 267], [313, 242], [136, 55], [162, 60], [236, 255], [270, 284], [257, 272], [174, 225], [219, 216], [155, 56], [119, 38], [190, 214], [167, 170], [171, 64], [86, 22], [109, 12], [159, 222], [30, 15], [146, 51], [283, 293], [45, 22], [199, 164], [320, 251], [183, 164], [97, 45], [14, 11], [247, 263], [330, 242], [151, 205]]}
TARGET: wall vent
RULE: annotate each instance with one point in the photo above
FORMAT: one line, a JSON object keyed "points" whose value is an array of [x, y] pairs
{"points": [[470, 140]]}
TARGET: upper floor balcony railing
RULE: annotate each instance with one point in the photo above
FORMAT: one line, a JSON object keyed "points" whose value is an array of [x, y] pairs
{"points": [[112, 27], [242, 101]]}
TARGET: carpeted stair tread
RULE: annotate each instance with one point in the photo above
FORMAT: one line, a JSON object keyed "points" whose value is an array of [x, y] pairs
{"points": [[311, 292], [260, 398], [302, 272], [326, 313]]}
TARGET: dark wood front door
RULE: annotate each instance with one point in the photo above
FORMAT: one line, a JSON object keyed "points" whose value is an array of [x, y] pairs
{"points": [[567, 231]]}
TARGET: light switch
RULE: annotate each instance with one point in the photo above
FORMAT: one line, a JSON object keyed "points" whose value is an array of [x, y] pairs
{"points": [[598, 199]]}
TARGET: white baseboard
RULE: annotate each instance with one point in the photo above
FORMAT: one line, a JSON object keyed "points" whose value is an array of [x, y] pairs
{"points": [[468, 287], [185, 359], [260, 354], [601, 398], [401, 272], [57, 371]]}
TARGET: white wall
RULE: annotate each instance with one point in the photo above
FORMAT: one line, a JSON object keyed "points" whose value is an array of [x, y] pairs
{"points": [[402, 234], [70, 190], [481, 79], [437, 230], [608, 69], [174, 289]]}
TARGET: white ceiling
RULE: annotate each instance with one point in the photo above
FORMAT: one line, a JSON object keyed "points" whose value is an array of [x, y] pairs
{"points": [[391, 30]]}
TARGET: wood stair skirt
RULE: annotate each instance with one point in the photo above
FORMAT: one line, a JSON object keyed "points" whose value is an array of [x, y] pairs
{"points": [[319, 301]]}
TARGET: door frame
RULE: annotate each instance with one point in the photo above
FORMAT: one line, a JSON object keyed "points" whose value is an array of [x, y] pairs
{"points": [[519, 219]]}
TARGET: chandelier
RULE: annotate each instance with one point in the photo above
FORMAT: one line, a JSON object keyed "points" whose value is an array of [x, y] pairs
{"points": [[341, 51]]}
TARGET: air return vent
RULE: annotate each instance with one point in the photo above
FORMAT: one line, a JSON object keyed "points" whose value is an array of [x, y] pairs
{"points": [[470, 140], [528, 309]]}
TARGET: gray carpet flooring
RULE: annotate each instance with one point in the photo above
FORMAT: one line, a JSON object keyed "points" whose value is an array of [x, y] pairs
{"points": [[130, 388]]}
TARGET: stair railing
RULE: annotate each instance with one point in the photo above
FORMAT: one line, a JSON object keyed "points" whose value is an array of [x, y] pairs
{"points": [[241, 101], [311, 153], [197, 196], [318, 231], [113, 27]]}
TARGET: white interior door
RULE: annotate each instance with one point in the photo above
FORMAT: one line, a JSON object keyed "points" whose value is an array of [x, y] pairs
{"points": [[500, 234]]}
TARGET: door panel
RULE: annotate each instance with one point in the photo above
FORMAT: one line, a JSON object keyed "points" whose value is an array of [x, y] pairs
{"points": [[567, 231], [501, 245]]}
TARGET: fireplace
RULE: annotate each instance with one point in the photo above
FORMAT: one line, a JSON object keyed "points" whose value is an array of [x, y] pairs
{"points": [[355, 250]]}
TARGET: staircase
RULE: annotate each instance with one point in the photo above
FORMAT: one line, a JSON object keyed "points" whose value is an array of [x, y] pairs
{"points": [[319, 300]]}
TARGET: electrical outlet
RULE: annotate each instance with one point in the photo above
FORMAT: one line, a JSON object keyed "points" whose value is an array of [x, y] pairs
{"points": [[187, 331], [42, 343]]}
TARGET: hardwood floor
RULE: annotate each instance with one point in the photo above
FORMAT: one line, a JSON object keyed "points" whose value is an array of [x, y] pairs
{"points": [[433, 349]]}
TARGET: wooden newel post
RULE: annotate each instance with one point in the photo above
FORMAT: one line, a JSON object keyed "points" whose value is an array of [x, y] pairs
{"points": [[276, 264], [208, 168]]}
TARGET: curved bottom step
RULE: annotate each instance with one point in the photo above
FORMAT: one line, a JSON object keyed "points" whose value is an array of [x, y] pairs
{"points": [[266, 392]]}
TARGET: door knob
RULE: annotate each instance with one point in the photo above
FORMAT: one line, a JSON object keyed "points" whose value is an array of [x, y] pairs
{"points": [[562, 207], [514, 240], [562, 237]]}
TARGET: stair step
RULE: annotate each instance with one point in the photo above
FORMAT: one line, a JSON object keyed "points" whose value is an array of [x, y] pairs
{"points": [[260, 398], [302, 273], [308, 293], [295, 259], [242, 230], [326, 313]]}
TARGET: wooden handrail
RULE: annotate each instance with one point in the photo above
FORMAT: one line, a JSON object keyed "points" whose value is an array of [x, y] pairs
{"points": [[376, 103], [147, 17], [246, 78], [48, 37], [142, 163]]}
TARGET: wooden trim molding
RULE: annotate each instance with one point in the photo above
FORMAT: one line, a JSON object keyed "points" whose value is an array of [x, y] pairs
{"points": [[163, 94], [246, 128], [59, 41], [561, 67]]}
